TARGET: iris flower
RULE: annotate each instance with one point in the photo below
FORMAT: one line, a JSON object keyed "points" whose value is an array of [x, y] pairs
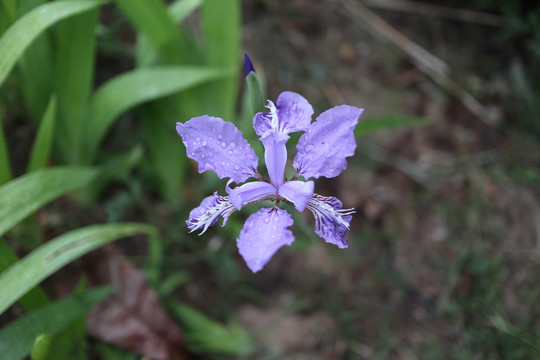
{"points": [[217, 145]]}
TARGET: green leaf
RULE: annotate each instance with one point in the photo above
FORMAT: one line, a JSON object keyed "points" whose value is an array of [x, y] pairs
{"points": [[18, 338], [181, 9], [17, 38], [366, 127], [53, 255], [151, 18], [221, 25], [74, 73], [35, 297], [67, 344], [5, 169], [207, 335], [24, 195], [42, 145], [136, 87]]}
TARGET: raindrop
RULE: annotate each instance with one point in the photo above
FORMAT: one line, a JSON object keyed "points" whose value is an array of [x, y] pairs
{"points": [[198, 138], [229, 152], [223, 144], [204, 143], [232, 144], [237, 167], [309, 147], [267, 220]]}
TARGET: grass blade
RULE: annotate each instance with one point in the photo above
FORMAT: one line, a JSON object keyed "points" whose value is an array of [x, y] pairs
{"points": [[36, 297], [181, 9], [134, 88], [53, 255], [221, 25], [5, 169], [42, 144], [76, 40], [151, 18], [17, 339], [17, 38], [366, 127], [21, 197]]}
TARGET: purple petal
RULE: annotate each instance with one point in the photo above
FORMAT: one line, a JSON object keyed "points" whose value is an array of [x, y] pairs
{"points": [[263, 234], [323, 149], [331, 221], [206, 214], [297, 192], [218, 145], [251, 192], [275, 156], [291, 113]]}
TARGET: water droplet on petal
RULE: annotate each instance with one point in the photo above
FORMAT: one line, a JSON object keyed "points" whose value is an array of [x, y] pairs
{"points": [[198, 138], [229, 152], [223, 144], [204, 143], [309, 147], [237, 167], [267, 220], [232, 144]]}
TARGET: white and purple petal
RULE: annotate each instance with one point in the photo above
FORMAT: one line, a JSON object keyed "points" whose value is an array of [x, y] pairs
{"points": [[297, 192], [331, 221], [322, 150], [291, 113], [207, 214], [251, 192], [263, 234], [218, 145]]}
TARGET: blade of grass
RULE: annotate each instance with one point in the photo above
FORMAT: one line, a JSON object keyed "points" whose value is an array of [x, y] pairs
{"points": [[221, 20], [151, 18], [179, 10], [366, 127], [53, 255], [17, 339], [35, 297], [134, 88], [73, 76], [5, 169], [17, 38], [10, 9], [22, 196], [42, 145]]}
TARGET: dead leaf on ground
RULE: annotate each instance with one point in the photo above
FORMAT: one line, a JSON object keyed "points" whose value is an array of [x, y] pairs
{"points": [[133, 318]]}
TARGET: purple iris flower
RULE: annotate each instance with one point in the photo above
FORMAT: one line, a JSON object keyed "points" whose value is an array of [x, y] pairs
{"points": [[322, 150]]}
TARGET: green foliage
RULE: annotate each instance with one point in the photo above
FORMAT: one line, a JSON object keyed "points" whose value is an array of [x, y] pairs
{"points": [[43, 142], [5, 170], [18, 338], [371, 125]]}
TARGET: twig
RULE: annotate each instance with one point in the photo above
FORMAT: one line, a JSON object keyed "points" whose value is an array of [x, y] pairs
{"points": [[438, 10], [426, 62]]}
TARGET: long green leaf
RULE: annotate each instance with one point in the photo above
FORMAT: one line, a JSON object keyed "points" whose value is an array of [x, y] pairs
{"points": [[21, 33], [53, 255], [5, 169], [152, 19], [17, 339], [42, 144], [221, 24], [74, 72], [21, 197], [35, 297], [134, 88], [366, 127]]}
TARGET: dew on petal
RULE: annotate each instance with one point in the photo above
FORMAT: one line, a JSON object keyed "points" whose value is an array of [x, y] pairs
{"points": [[232, 144], [204, 143], [223, 144], [236, 167], [309, 147]]}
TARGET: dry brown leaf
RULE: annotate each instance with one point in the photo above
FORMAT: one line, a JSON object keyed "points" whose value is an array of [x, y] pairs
{"points": [[133, 318]]}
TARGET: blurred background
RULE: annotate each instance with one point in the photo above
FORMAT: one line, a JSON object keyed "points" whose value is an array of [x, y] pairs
{"points": [[444, 250]]}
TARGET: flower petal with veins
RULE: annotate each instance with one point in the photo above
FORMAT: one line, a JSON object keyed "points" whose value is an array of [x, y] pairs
{"points": [[218, 145], [263, 234], [206, 214], [323, 148], [331, 221]]}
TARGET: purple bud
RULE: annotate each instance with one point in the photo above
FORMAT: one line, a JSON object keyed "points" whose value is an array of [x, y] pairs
{"points": [[248, 66]]}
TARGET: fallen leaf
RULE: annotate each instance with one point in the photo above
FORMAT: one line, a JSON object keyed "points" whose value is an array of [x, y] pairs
{"points": [[133, 317]]}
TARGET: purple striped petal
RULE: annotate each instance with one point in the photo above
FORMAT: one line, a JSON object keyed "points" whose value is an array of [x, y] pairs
{"points": [[275, 156], [323, 149], [292, 112], [263, 234], [207, 214], [331, 221], [218, 145], [297, 192], [251, 192]]}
